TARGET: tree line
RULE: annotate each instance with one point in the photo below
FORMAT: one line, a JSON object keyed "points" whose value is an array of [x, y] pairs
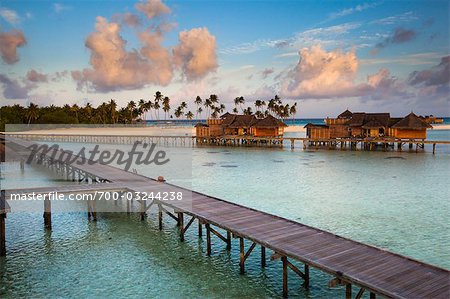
{"points": [[156, 109]]}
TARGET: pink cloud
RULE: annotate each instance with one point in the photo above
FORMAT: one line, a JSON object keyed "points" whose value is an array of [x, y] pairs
{"points": [[9, 42], [320, 74], [131, 20], [153, 8], [196, 53], [114, 68], [35, 76]]}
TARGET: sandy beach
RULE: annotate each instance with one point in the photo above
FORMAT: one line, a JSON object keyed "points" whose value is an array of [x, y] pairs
{"points": [[137, 131]]}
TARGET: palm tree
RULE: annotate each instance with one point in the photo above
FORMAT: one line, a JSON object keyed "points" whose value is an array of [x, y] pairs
{"points": [[293, 110], [178, 112], [156, 107], [258, 104], [88, 111], [166, 106], [32, 112], [199, 112], [130, 107], [208, 104], [235, 110], [74, 109], [198, 102], [214, 98], [189, 115], [149, 106], [141, 105], [239, 101], [248, 111], [112, 111]]}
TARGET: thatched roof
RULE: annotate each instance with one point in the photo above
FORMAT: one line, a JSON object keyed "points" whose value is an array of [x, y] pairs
{"points": [[357, 119], [311, 125], [394, 120], [239, 121], [246, 121], [269, 122], [346, 114], [411, 122], [226, 115]]}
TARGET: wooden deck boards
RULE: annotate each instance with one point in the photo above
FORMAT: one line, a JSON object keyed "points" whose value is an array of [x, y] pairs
{"points": [[377, 270]]}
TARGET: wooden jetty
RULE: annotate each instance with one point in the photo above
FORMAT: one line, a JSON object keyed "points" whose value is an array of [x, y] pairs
{"points": [[367, 144], [370, 269]]}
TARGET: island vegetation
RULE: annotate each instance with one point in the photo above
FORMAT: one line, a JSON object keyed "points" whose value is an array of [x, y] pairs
{"points": [[158, 108]]}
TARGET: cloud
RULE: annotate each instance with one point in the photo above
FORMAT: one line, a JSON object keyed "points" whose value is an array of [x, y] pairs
{"points": [[152, 8], [114, 68], [352, 10], [12, 89], [196, 53], [321, 74], [9, 42], [35, 76], [396, 19], [326, 36], [58, 7], [266, 72], [435, 76], [9, 15], [131, 20], [398, 36]]}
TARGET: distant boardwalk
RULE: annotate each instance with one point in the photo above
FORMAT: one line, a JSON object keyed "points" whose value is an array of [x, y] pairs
{"points": [[350, 263], [369, 143]]}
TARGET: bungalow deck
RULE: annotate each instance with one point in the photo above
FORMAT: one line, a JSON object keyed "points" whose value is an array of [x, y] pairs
{"points": [[351, 263]]}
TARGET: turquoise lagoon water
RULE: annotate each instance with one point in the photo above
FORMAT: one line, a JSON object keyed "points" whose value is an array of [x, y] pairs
{"points": [[398, 201]]}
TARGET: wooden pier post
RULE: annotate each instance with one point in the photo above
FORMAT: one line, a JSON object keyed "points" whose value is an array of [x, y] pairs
{"points": [[200, 230], [2, 223], [241, 255], [208, 240], [306, 283], [2, 234], [160, 217], [181, 226], [434, 148], [228, 241], [285, 276], [143, 213], [47, 213], [348, 291], [263, 256]]}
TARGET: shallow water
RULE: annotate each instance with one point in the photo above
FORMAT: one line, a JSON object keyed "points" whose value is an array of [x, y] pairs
{"points": [[398, 201]]}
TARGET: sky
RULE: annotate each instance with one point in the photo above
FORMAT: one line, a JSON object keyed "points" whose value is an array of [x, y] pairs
{"points": [[326, 56]]}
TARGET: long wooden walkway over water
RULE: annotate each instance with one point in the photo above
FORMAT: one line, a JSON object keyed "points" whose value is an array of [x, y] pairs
{"points": [[385, 143], [370, 269]]}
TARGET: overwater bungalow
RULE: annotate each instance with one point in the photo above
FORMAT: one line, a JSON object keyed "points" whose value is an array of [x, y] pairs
{"points": [[241, 125], [372, 125]]}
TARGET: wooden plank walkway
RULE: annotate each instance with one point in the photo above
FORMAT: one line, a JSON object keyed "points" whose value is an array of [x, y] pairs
{"points": [[374, 270]]}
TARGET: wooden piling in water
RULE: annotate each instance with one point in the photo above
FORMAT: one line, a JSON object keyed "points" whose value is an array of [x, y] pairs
{"points": [[263, 256], [285, 276], [241, 255], [47, 213], [208, 239], [3, 234]]}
